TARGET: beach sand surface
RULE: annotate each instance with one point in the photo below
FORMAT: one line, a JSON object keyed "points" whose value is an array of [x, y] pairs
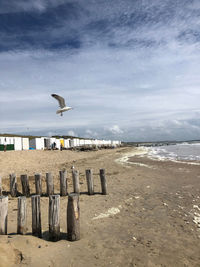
{"points": [[150, 216]]}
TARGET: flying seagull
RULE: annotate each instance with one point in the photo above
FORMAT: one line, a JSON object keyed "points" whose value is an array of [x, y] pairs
{"points": [[62, 105]]}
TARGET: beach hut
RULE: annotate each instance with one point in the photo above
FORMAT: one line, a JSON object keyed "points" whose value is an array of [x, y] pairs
{"points": [[77, 142], [57, 141], [11, 140], [36, 143], [66, 143], [74, 142], [47, 144], [17, 143], [81, 142], [25, 143], [2, 140], [8, 141]]}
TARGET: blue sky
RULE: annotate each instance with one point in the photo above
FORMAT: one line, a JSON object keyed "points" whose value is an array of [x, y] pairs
{"points": [[129, 68]]}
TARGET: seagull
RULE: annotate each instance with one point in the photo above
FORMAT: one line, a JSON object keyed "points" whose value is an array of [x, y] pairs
{"points": [[62, 105]]}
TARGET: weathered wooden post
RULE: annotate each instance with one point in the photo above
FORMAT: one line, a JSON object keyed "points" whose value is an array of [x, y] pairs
{"points": [[38, 184], [76, 185], [0, 186], [21, 216], [36, 216], [50, 185], [63, 182], [73, 217], [3, 215], [25, 185], [90, 182], [54, 217], [103, 182], [13, 185]]}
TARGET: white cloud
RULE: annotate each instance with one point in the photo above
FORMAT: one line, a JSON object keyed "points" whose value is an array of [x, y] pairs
{"points": [[154, 88], [115, 129]]}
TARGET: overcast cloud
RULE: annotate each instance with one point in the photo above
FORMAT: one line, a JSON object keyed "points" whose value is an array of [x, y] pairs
{"points": [[130, 68]]}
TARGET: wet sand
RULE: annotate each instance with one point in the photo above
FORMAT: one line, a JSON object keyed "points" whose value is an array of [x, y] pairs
{"points": [[149, 218]]}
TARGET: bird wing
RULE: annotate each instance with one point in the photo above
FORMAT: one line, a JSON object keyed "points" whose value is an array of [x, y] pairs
{"points": [[60, 99]]}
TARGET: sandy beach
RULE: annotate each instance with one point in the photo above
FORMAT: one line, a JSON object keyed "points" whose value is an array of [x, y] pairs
{"points": [[151, 216]]}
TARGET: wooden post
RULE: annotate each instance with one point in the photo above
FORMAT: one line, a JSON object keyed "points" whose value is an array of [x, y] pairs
{"points": [[76, 185], [0, 186], [3, 214], [73, 217], [36, 216], [25, 185], [38, 184], [63, 182], [50, 185], [103, 182], [54, 217], [90, 182], [13, 185], [21, 216]]}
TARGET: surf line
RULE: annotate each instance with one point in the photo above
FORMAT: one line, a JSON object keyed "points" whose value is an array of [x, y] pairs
{"points": [[139, 152]]}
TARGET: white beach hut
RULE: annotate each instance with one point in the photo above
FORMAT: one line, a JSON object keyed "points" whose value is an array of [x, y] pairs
{"points": [[81, 142], [47, 144], [74, 142], [57, 141], [66, 143], [25, 143], [17, 143], [36, 143], [2, 138]]}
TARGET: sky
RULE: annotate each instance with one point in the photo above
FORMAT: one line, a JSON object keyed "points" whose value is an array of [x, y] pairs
{"points": [[129, 68]]}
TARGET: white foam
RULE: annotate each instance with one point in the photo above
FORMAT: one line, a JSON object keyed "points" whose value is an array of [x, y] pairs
{"points": [[124, 160], [176, 153]]}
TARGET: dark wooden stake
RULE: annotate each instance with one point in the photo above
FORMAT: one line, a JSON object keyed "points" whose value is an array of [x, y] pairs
{"points": [[76, 185], [13, 185], [25, 185], [21, 216], [73, 217], [50, 185], [3, 214], [90, 182], [36, 216], [38, 184], [103, 182], [63, 182], [54, 217]]}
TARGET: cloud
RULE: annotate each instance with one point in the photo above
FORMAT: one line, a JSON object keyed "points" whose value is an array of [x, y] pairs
{"points": [[130, 71], [115, 129]]}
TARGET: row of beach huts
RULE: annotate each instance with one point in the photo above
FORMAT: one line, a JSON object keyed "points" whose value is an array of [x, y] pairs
{"points": [[42, 143]]}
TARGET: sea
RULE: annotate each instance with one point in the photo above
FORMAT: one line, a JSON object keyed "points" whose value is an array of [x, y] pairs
{"points": [[183, 151]]}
